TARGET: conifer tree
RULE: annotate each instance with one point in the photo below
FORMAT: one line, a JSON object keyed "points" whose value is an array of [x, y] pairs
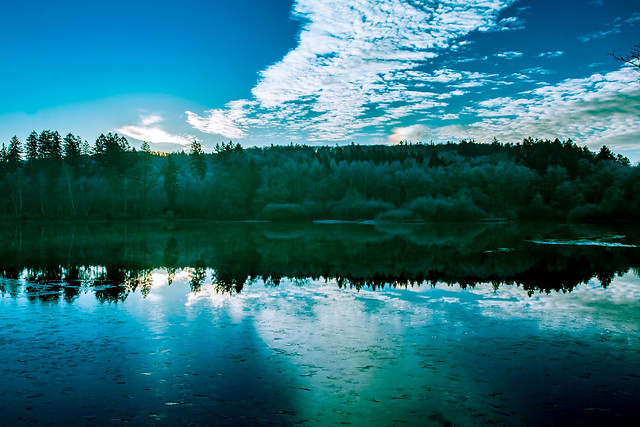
{"points": [[197, 160], [14, 152], [32, 146]]}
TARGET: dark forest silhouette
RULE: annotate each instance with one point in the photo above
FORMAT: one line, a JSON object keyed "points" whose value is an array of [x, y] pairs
{"points": [[50, 177], [61, 261]]}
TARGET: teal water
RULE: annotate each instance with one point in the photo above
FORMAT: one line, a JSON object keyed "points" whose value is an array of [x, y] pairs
{"points": [[325, 324]]}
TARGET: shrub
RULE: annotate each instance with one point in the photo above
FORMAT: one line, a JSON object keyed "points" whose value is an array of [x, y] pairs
{"points": [[355, 209], [397, 215], [460, 208], [284, 212]]}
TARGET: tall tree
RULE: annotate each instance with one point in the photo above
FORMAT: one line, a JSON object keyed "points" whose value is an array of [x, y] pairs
{"points": [[56, 145], [44, 144], [146, 179], [111, 153], [50, 145], [197, 160], [71, 146], [32, 146], [170, 173], [14, 153]]}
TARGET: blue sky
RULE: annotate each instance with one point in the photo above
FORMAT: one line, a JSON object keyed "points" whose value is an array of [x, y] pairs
{"points": [[321, 71]]}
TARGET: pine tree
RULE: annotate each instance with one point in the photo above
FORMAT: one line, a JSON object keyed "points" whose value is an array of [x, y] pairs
{"points": [[32, 146], [44, 144], [71, 146], [55, 145], [14, 152], [197, 160]]}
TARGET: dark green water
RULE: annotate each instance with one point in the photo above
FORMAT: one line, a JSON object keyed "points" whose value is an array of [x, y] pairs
{"points": [[232, 324]]}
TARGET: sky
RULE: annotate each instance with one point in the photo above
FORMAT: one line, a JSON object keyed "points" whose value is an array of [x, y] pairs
{"points": [[321, 72]]}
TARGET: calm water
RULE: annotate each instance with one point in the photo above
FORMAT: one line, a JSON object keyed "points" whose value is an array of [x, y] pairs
{"points": [[231, 324]]}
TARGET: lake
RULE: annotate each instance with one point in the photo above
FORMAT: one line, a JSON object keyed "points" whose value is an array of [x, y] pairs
{"points": [[303, 324]]}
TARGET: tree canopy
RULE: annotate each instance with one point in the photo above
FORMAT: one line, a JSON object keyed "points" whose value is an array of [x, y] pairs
{"points": [[53, 177]]}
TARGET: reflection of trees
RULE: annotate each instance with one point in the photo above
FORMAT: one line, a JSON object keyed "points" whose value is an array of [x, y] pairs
{"points": [[109, 285], [170, 258], [197, 276], [356, 256]]}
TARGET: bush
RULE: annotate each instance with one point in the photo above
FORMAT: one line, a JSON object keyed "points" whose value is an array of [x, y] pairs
{"points": [[459, 208], [397, 215], [284, 212], [355, 209]]}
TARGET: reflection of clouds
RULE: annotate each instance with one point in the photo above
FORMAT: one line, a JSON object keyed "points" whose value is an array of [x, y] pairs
{"points": [[614, 308], [320, 317], [377, 354]]}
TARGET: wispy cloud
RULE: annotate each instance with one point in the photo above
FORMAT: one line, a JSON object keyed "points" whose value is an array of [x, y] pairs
{"points": [[614, 27], [599, 34], [597, 110], [511, 23], [357, 65], [149, 130], [555, 54], [411, 133], [635, 17], [509, 54]]}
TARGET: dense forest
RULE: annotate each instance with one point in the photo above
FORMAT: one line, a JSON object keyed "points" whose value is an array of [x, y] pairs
{"points": [[51, 177]]}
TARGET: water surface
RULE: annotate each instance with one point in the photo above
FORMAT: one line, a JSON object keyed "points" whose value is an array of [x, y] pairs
{"points": [[231, 324]]}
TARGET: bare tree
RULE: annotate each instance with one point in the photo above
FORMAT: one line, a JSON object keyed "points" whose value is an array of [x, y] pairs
{"points": [[632, 58]]}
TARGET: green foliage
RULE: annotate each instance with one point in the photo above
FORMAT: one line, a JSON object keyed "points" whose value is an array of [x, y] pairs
{"points": [[534, 179], [453, 209], [357, 208], [72, 147], [14, 153], [32, 146], [284, 212], [49, 145], [170, 174], [197, 160]]}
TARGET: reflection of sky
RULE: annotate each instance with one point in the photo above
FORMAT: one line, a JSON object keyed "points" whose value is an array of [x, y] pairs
{"points": [[308, 350], [353, 347]]}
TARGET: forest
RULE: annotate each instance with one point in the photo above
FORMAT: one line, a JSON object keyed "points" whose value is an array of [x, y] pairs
{"points": [[54, 177]]}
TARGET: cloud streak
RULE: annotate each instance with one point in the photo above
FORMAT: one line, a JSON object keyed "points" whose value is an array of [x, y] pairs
{"points": [[149, 130], [595, 110], [358, 65]]}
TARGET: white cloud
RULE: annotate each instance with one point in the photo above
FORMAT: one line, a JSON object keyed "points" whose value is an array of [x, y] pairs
{"points": [[614, 27], [635, 17], [509, 54], [596, 110], [148, 130], [147, 120], [413, 133], [352, 56], [511, 23], [230, 122], [555, 54]]}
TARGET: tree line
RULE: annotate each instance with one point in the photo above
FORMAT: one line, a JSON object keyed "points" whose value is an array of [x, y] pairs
{"points": [[54, 177]]}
